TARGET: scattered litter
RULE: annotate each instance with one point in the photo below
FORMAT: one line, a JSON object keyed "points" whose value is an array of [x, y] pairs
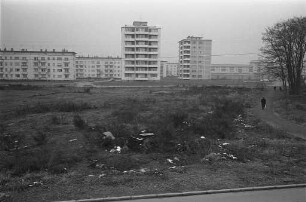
{"points": [[100, 165], [90, 175], [116, 149], [225, 143], [210, 112], [72, 140], [109, 135], [248, 126], [170, 161], [177, 159], [173, 167], [36, 184], [102, 175], [202, 137], [146, 134], [142, 170]]}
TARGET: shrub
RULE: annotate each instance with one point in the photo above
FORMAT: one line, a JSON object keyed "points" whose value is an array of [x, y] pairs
{"points": [[78, 122], [40, 138], [65, 106], [87, 90]]}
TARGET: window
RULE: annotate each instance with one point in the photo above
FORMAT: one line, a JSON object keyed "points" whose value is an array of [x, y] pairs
{"points": [[59, 58], [59, 70], [17, 63], [42, 58], [24, 76], [66, 64], [59, 76], [17, 70], [16, 58], [35, 58], [35, 69], [35, 64]]}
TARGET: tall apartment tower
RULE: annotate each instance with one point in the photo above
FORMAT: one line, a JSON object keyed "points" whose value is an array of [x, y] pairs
{"points": [[194, 58], [140, 52]]}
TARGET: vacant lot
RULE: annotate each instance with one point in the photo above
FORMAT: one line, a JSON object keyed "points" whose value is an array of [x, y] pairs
{"points": [[53, 147], [291, 107]]}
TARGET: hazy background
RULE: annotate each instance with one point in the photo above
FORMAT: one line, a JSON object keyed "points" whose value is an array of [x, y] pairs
{"points": [[93, 27]]}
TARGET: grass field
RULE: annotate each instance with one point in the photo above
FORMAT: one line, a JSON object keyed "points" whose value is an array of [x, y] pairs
{"points": [[53, 148]]}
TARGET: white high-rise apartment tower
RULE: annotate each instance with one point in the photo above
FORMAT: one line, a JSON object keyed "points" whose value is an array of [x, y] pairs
{"points": [[194, 58], [140, 52]]}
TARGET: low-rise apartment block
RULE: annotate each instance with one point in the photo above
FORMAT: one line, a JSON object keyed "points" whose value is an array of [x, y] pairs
{"points": [[98, 67], [235, 71], [37, 65]]}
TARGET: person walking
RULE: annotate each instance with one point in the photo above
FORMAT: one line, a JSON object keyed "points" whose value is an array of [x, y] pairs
{"points": [[263, 103]]}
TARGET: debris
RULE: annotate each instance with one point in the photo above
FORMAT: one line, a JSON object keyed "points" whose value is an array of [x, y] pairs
{"points": [[36, 184], [3, 196], [102, 175], [72, 140], [202, 137], [116, 149], [225, 143], [90, 175], [211, 157], [177, 159], [109, 135], [146, 134], [170, 161], [100, 165], [142, 170], [93, 164]]}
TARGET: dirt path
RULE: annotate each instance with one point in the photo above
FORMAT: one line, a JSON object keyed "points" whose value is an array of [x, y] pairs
{"points": [[274, 120]]}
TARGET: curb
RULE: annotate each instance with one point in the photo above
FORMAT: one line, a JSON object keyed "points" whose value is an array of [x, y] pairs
{"points": [[192, 193]]}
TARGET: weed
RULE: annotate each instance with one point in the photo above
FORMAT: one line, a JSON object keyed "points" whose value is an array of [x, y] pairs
{"points": [[78, 122], [65, 106]]}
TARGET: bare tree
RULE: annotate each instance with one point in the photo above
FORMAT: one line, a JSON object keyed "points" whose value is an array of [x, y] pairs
{"points": [[284, 51]]}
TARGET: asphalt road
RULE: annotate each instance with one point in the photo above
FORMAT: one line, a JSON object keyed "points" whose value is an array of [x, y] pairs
{"points": [[278, 195]]}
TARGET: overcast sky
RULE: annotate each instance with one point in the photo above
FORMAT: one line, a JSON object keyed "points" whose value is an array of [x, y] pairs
{"points": [[93, 27]]}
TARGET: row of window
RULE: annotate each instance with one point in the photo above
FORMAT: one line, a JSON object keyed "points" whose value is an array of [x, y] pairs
{"points": [[140, 29], [35, 58], [36, 76], [66, 70], [35, 64], [97, 62]]}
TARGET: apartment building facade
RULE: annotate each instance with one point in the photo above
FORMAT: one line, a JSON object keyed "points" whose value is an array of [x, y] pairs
{"points": [[194, 58], [171, 69], [98, 67], [37, 65], [140, 49], [234, 71]]}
